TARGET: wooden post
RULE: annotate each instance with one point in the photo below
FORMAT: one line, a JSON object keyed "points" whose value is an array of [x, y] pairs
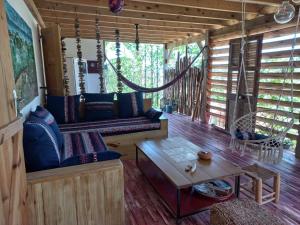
{"points": [[203, 101], [258, 193], [276, 187], [13, 186], [297, 149], [53, 63]]}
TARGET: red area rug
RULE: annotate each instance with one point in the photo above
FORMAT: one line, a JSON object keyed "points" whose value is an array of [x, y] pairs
{"points": [[143, 205]]}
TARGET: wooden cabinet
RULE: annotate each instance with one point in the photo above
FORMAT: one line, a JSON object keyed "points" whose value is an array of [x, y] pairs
{"points": [[51, 37]]}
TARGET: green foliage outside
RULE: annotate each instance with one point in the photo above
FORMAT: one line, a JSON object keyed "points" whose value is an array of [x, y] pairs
{"points": [[144, 68]]}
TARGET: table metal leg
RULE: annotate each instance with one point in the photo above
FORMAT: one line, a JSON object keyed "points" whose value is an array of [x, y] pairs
{"points": [[137, 156], [237, 186], [178, 207]]}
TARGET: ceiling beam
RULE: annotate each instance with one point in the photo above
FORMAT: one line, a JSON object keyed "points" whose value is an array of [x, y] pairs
{"points": [[119, 20], [122, 39], [65, 22], [110, 24], [218, 5], [112, 32], [131, 6], [91, 11], [256, 26], [274, 3], [125, 29]]}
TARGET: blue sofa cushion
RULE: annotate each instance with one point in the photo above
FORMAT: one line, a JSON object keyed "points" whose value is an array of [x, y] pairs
{"points": [[99, 106], [47, 117], [130, 104], [93, 97], [95, 111], [65, 109], [153, 114], [90, 157], [40, 145]]}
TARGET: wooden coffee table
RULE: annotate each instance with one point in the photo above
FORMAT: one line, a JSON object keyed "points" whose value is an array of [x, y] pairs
{"points": [[163, 162]]}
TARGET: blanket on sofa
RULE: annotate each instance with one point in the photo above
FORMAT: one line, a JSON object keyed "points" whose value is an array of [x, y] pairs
{"points": [[112, 127], [82, 143]]}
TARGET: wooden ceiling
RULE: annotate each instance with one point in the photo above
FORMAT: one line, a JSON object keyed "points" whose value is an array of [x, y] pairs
{"points": [[160, 21]]}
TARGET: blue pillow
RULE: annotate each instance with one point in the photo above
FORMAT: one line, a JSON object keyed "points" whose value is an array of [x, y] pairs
{"points": [[99, 106], [65, 109], [130, 104], [153, 114], [91, 157], [91, 97], [95, 111], [47, 117], [40, 145]]}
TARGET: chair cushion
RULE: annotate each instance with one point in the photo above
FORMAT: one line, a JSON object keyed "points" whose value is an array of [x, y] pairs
{"points": [[40, 145], [153, 114], [47, 117], [99, 106], [91, 157], [65, 109], [130, 104]]}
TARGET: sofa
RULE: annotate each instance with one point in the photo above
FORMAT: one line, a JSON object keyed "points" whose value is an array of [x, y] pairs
{"points": [[86, 185]]}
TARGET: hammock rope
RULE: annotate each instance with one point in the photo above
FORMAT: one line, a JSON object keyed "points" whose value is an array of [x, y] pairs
{"points": [[156, 89]]}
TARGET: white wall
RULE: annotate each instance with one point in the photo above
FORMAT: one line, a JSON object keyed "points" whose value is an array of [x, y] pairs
{"points": [[88, 48], [23, 11]]}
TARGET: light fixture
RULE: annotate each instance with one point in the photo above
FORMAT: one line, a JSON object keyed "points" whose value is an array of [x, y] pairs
{"points": [[285, 13], [116, 6]]}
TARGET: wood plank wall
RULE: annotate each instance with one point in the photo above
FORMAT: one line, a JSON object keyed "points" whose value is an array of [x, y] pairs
{"points": [[217, 82], [12, 169]]}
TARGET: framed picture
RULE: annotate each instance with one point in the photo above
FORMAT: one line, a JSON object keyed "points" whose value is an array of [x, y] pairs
{"points": [[22, 52], [92, 66]]}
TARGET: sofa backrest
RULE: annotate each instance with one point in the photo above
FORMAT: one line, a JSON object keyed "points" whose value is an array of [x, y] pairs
{"points": [[147, 105]]}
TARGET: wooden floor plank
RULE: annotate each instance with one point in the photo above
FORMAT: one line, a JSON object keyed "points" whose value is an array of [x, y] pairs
{"points": [[144, 206]]}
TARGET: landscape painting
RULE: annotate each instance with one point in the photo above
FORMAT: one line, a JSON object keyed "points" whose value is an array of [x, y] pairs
{"points": [[22, 52]]}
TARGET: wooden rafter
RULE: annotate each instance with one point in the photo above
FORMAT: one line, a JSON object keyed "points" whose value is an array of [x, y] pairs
{"points": [[166, 20], [91, 11], [144, 7], [122, 24], [218, 5]]}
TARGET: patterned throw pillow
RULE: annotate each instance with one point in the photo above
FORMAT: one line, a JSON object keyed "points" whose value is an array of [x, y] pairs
{"points": [[47, 117], [40, 145], [131, 104], [99, 106], [95, 111], [93, 97], [65, 109], [153, 114]]}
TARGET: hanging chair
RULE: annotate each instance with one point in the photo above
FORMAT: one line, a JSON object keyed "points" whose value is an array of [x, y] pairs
{"points": [[263, 131], [263, 136]]}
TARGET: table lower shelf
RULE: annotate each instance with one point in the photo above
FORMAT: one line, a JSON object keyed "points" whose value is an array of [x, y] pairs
{"points": [[190, 203]]}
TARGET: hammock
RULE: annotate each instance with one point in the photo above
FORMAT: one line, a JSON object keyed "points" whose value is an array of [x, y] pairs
{"points": [[156, 89]]}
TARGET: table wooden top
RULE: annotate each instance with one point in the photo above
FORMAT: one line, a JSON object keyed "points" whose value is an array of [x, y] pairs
{"points": [[173, 155]]}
